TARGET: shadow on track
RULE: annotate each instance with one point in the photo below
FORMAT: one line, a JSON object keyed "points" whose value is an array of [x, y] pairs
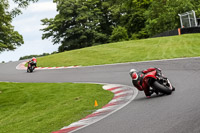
{"points": [[151, 98]]}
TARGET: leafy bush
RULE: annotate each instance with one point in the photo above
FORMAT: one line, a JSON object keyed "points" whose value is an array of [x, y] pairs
{"points": [[119, 34]]}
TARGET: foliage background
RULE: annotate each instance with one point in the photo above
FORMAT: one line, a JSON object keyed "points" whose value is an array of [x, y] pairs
{"points": [[84, 23]]}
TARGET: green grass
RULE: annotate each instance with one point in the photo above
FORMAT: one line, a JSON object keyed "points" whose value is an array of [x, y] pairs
{"points": [[187, 45], [46, 107]]}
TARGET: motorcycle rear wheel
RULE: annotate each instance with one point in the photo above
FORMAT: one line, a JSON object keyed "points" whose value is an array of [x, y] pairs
{"points": [[161, 88]]}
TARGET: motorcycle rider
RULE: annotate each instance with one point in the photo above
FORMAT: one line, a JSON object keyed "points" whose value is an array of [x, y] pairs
{"points": [[33, 61], [137, 80]]}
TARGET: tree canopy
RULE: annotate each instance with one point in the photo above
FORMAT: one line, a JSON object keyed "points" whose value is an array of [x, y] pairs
{"points": [[9, 38], [80, 23], [83, 23], [162, 15]]}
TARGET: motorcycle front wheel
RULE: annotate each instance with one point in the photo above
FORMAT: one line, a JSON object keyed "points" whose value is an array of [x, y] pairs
{"points": [[29, 70], [161, 88]]}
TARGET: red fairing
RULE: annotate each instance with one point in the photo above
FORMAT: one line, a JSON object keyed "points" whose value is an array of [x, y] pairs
{"points": [[149, 70], [146, 78], [151, 75], [34, 59]]}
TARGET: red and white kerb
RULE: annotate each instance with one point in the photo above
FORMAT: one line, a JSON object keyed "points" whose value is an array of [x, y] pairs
{"points": [[122, 96]]}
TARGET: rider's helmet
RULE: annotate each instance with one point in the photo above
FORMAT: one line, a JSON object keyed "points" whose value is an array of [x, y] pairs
{"points": [[133, 74], [33, 59]]}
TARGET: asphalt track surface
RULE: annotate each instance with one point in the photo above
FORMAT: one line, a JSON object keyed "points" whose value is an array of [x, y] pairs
{"points": [[176, 113]]}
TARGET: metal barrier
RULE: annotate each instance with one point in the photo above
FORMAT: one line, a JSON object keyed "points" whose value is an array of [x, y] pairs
{"points": [[182, 31]]}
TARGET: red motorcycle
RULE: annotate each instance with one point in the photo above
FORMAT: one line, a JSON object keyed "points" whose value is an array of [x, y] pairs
{"points": [[157, 82], [31, 66]]}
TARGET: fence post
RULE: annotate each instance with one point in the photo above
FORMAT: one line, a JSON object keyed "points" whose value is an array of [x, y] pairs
{"points": [[179, 31]]}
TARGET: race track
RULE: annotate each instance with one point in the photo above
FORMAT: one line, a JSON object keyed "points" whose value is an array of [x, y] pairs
{"points": [[177, 113]]}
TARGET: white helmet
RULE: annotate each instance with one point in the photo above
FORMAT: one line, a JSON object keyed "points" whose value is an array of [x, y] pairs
{"points": [[133, 74], [133, 70]]}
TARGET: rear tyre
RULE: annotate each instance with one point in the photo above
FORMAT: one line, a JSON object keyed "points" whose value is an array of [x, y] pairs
{"points": [[161, 88]]}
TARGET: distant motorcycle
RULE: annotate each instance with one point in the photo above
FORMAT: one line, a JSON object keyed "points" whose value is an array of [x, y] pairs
{"points": [[31, 66], [158, 83]]}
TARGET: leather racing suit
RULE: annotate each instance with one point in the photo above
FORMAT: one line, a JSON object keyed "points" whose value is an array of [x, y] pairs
{"points": [[137, 78]]}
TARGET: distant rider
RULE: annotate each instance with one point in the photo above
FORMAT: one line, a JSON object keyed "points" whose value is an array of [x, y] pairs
{"points": [[33, 61], [137, 79]]}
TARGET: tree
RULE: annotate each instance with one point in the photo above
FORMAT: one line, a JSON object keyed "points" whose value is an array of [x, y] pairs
{"points": [[76, 26], [133, 17], [130, 15], [196, 4], [31, 56], [163, 15], [9, 38], [119, 34], [82, 23]]}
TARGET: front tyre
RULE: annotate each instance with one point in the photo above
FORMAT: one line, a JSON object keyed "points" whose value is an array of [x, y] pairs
{"points": [[28, 70], [161, 88]]}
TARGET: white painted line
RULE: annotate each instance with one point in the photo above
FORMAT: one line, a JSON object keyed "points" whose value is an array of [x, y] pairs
{"points": [[116, 100], [106, 108], [122, 93], [116, 90], [106, 87]]}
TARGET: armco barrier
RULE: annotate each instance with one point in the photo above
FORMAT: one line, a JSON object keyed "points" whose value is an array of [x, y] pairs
{"points": [[190, 30], [183, 31]]}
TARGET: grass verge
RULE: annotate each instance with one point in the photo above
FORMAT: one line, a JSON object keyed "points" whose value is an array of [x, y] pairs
{"points": [[46, 107], [187, 45]]}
